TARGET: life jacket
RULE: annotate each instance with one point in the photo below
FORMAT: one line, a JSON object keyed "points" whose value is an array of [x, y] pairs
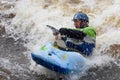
{"points": [[89, 38]]}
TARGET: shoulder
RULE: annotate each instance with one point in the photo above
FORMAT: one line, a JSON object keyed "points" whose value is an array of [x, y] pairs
{"points": [[90, 31], [89, 28]]}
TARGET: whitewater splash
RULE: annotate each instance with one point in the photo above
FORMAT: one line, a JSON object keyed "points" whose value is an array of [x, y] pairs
{"points": [[32, 16]]}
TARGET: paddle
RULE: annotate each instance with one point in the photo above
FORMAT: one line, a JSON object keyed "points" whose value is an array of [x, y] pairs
{"points": [[53, 29], [58, 41]]}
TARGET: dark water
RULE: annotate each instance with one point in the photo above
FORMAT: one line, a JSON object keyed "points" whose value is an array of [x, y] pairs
{"points": [[111, 72]]}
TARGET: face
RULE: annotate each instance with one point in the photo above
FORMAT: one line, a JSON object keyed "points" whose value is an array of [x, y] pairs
{"points": [[77, 23]]}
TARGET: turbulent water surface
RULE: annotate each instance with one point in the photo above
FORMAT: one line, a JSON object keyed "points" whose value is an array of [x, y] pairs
{"points": [[23, 30]]}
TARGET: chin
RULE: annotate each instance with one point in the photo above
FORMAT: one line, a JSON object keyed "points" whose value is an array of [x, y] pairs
{"points": [[77, 27]]}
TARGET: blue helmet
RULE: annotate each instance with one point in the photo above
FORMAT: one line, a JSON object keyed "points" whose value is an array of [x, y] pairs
{"points": [[81, 16]]}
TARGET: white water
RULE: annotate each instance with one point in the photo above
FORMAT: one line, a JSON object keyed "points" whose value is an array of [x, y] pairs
{"points": [[32, 16]]}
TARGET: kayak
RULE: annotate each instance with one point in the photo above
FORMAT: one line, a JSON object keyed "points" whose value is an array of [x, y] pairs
{"points": [[65, 62]]}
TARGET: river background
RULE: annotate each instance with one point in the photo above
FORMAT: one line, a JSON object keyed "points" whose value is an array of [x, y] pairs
{"points": [[23, 30]]}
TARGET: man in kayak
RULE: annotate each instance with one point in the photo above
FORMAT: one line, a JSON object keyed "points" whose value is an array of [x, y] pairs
{"points": [[82, 38]]}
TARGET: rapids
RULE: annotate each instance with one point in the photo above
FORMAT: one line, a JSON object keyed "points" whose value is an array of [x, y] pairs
{"points": [[23, 30]]}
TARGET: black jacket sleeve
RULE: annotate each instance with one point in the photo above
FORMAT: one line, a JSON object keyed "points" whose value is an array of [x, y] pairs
{"points": [[72, 33]]}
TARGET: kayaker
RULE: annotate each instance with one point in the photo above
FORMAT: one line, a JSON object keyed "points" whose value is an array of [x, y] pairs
{"points": [[82, 38]]}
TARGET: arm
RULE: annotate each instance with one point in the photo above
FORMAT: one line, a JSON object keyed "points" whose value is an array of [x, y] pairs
{"points": [[72, 33]]}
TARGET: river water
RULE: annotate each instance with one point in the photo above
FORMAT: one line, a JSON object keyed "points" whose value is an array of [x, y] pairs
{"points": [[23, 30]]}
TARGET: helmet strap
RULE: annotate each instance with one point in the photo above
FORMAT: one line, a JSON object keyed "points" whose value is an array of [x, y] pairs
{"points": [[82, 24]]}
